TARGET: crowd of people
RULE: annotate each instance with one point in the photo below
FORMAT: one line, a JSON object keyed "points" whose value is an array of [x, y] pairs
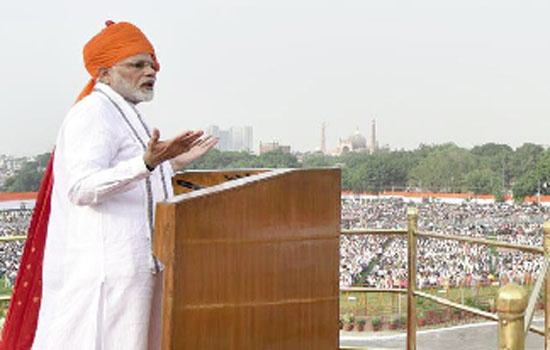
{"points": [[381, 261], [13, 222]]}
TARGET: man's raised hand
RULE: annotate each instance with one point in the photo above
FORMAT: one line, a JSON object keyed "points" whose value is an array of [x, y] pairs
{"points": [[159, 151], [197, 150]]}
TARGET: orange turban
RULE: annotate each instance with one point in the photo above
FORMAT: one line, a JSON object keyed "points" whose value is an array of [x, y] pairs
{"points": [[113, 44]]}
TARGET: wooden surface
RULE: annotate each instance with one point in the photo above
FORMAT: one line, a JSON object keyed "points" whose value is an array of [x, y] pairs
{"points": [[252, 264], [185, 181]]}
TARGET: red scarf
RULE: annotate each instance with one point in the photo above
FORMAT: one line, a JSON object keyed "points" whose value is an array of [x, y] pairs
{"points": [[22, 317]]}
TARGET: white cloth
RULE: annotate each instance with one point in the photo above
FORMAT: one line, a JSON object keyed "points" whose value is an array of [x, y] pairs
{"points": [[98, 281]]}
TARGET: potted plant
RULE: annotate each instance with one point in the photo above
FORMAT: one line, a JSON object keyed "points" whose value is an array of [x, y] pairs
{"points": [[430, 317], [360, 324], [439, 316], [455, 314], [348, 320], [421, 320], [376, 323], [403, 322], [492, 307], [394, 323]]}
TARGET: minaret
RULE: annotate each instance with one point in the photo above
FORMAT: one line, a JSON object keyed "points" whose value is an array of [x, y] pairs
{"points": [[372, 146], [323, 139]]}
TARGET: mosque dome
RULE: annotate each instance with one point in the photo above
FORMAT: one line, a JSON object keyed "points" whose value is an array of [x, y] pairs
{"points": [[357, 140]]}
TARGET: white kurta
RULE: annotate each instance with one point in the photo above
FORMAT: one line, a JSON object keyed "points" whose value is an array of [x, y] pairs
{"points": [[99, 273]]}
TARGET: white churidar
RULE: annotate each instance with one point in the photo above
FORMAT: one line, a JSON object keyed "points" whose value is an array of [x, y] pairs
{"points": [[98, 283]]}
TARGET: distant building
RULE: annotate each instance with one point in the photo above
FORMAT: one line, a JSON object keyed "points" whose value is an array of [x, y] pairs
{"points": [[273, 146], [355, 142], [323, 138], [372, 144], [214, 131], [226, 143], [10, 165], [232, 139], [248, 138]]}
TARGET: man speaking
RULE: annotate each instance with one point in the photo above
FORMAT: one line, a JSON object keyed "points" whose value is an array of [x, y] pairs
{"points": [[94, 288]]}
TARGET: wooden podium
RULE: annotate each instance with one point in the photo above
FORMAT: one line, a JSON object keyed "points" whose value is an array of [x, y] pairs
{"points": [[251, 260]]}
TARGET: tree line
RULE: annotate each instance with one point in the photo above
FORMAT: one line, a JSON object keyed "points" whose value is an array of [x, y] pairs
{"points": [[487, 169]]}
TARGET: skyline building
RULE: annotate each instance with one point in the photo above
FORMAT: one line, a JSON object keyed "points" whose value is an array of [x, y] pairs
{"points": [[372, 143], [273, 146], [232, 139], [323, 138], [356, 142]]}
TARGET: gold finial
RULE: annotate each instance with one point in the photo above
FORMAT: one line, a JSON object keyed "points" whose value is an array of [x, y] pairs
{"points": [[546, 235], [511, 299], [511, 304], [546, 228], [412, 213]]}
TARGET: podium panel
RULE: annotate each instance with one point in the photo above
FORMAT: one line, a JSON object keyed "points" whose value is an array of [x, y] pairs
{"points": [[252, 263]]}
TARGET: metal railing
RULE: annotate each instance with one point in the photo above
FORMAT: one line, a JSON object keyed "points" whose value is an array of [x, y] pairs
{"points": [[514, 312], [12, 238]]}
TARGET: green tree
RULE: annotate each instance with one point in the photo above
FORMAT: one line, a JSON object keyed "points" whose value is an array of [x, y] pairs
{"points": [[524, 159], [216, 159], [443, 169], [489, 168], [353, 179], [385, 171], [526, 185], [277, 159], [497, 158], [317, 160], [536, 179], [543, 172], [354, 159], [483, 181], [377, 172]]}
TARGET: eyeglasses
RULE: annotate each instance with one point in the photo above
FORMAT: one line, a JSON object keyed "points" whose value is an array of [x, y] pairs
{"points": [[139, 65]]}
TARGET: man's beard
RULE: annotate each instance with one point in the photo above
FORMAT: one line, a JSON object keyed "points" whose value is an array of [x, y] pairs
{"points": [[130, 92]]}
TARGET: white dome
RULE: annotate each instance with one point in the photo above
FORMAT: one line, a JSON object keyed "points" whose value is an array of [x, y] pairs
{"points": [[357, 140]]}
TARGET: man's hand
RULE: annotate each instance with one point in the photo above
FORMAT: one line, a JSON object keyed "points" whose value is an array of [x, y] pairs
{"points": [[160, 151], [197, 150]]}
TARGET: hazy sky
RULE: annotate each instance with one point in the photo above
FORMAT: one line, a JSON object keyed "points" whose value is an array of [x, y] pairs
{"points": [[428, 71]]}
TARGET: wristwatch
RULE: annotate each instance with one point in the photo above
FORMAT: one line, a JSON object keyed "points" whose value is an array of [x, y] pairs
{"points": [[150, 168]]}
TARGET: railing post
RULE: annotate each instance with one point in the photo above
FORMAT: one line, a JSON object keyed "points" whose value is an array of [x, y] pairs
{"points": [[412, 215], [511, 304], [546, 242]]}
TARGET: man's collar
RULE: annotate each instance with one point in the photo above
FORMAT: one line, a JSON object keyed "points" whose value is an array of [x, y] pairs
{"points": [[112, 93], [127, 108]]}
